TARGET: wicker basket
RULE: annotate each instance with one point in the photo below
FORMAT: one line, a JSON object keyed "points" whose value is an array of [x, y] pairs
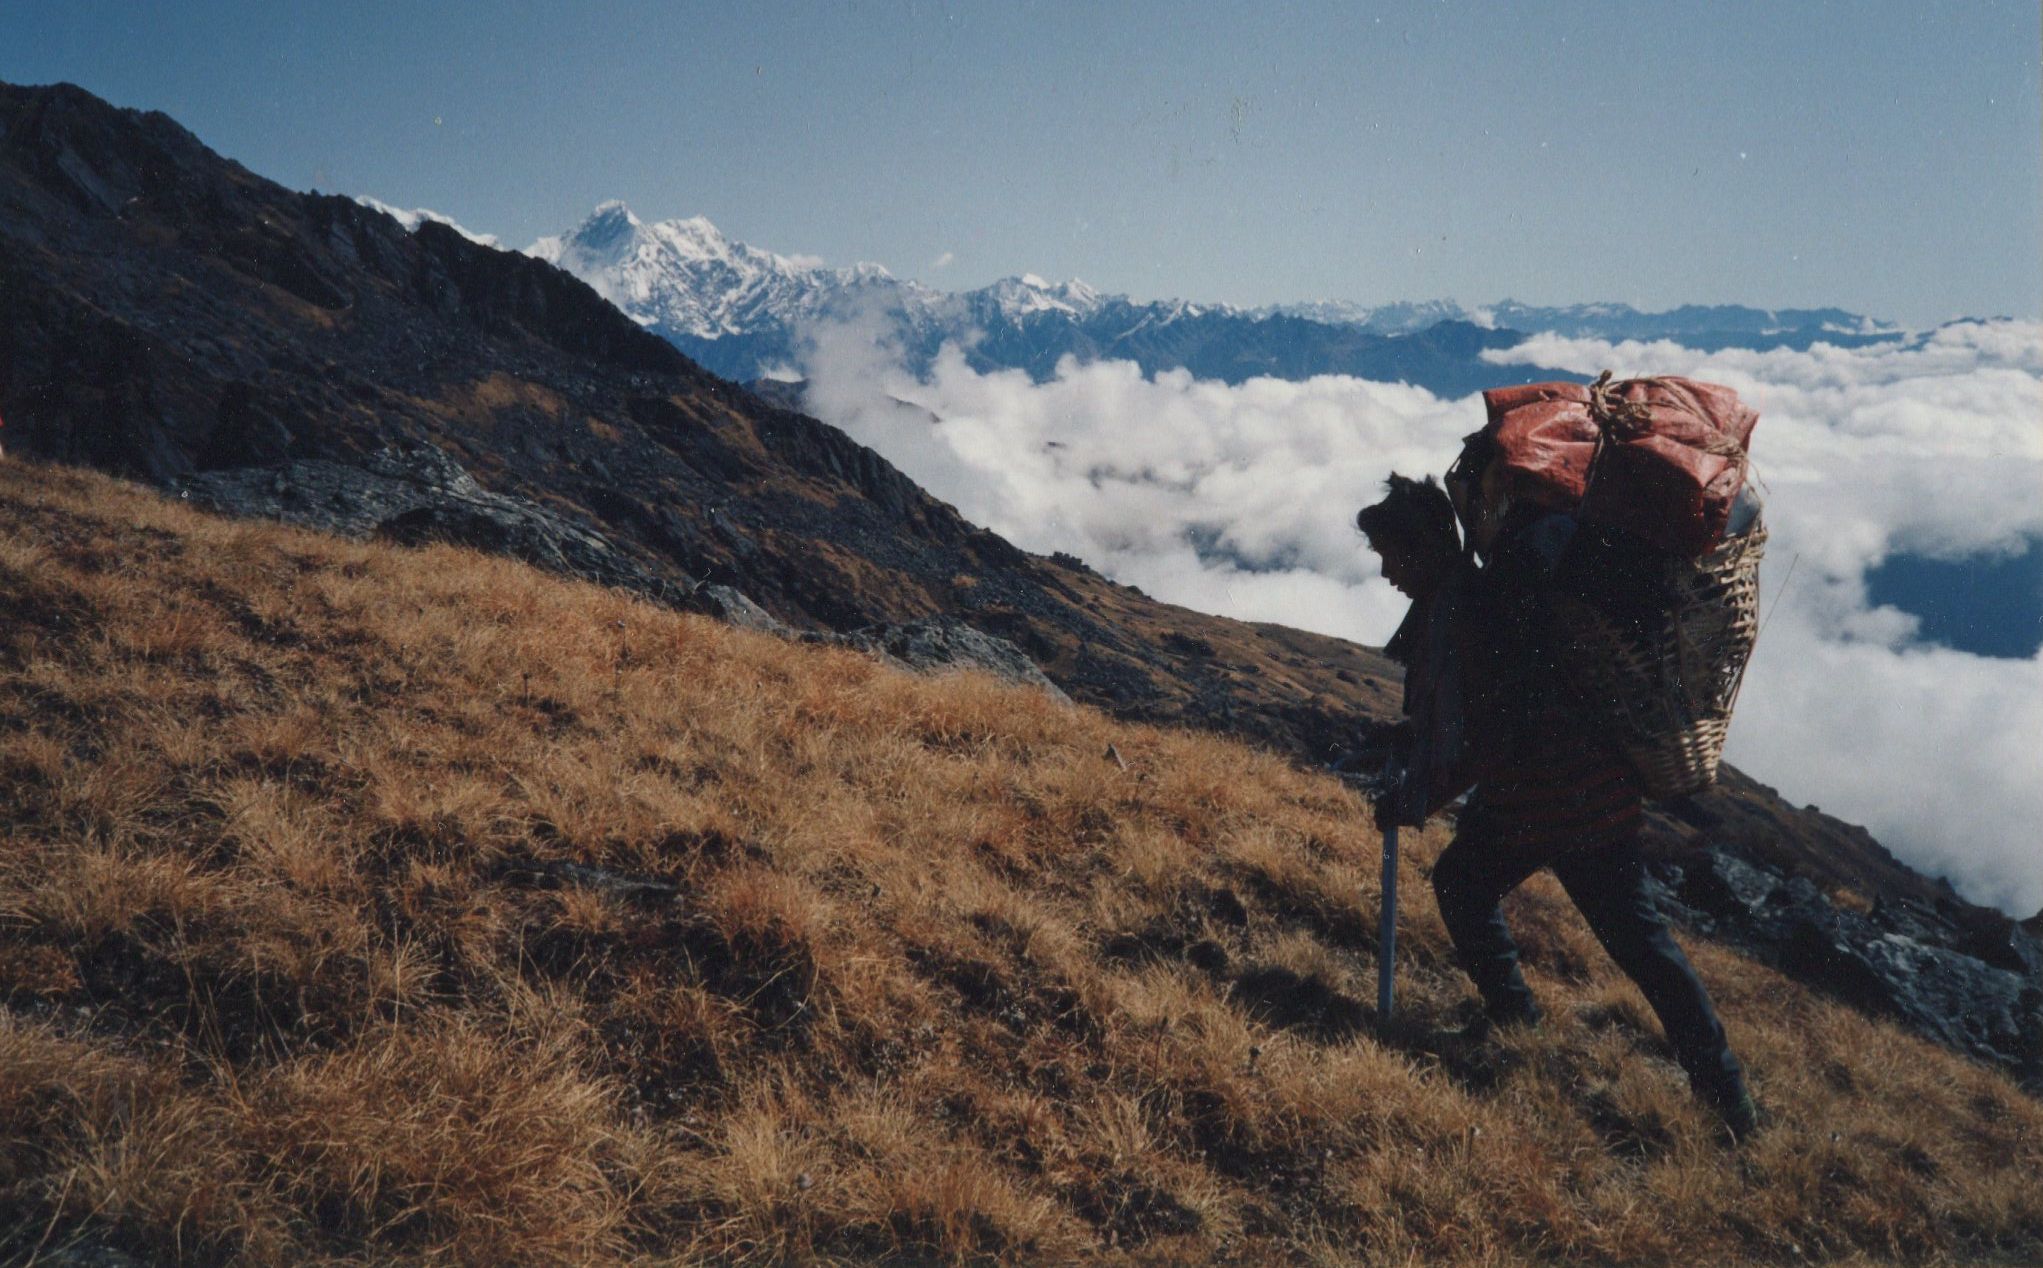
{"points": [[1663, 689]]}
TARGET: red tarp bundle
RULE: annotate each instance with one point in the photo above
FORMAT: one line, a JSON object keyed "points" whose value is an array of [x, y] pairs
{"points": [[1672, 457]]}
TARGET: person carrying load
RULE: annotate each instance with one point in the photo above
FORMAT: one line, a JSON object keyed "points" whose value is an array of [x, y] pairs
{"points": [[1574, 649]]}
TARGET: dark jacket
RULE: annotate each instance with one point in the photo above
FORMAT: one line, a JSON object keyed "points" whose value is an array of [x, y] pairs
{"points": [[1431, 644], [1488, 709]]}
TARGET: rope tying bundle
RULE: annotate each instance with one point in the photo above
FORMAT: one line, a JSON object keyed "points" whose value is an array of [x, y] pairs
{"points": [[1615, 415], [1618, 418]]}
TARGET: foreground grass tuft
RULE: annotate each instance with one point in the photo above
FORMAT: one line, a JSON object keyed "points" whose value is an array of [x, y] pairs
{"points": [[363, 903]]}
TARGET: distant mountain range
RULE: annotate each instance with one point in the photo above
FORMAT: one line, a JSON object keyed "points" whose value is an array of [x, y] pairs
{"points": [[1695, 325], [743, 312]]}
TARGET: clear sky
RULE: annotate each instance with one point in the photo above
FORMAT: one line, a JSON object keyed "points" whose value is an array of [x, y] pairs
{"points": [[1881, 155]]}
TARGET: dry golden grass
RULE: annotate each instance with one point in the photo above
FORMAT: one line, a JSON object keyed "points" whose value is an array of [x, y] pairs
{"points": [[370, 904]]}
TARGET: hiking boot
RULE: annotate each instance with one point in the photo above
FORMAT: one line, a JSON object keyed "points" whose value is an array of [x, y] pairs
{"points": [[1740, 1118], [1517, 1012], [1484, 1022], [1734, 1107]]}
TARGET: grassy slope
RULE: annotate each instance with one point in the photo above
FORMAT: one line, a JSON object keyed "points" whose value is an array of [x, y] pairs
{"points": [[292, 965]]}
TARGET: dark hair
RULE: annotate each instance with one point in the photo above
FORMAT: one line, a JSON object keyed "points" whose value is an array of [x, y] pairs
{"points": [[1412, 511]]}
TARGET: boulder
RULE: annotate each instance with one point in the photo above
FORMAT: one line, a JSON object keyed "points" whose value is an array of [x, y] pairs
{"points": [[734, 607]]}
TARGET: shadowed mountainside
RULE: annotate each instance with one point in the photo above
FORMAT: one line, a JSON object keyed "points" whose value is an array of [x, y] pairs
{"points": [[171, 316]]}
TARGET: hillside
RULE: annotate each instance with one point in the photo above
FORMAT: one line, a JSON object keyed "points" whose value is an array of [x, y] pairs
{"points": [[175, 317], [172, 316], [367, 902]]}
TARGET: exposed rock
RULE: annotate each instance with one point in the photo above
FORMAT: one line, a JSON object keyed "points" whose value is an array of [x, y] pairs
{"points": [[1723, 887], [418, 494], [730, 605], [943, 643], [414, 495], [1937, 972], [779, 393]]}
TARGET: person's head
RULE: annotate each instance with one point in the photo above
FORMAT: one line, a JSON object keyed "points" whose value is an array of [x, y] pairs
{"points": [[1413, 529]]}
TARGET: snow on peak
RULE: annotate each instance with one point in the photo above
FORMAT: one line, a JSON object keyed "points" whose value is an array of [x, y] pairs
{"points": [[609, 228], [1397, 318], [693, 239], [686, 277], [612, 207], [412, 218], [1018, 297]]}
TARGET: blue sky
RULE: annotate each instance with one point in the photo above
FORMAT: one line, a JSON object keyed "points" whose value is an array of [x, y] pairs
{"points": [[1882, 156]]}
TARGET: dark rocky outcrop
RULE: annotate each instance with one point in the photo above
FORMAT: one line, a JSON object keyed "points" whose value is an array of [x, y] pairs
{"points": [[418, 494], [943, 643], [415, 495], [1944, 970], [727, 604]]}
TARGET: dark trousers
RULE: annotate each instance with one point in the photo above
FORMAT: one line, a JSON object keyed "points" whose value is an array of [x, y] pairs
{"points": [[1607, 884]]}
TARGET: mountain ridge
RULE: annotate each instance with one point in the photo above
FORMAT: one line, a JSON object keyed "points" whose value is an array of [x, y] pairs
{"points": [[745, 319], [746, 313], [207, 320]]}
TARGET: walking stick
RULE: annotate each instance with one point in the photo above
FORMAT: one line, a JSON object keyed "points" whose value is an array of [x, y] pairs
{"points": [[1386, 923]]}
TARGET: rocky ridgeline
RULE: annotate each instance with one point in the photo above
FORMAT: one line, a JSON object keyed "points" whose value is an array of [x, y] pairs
{"points": [[419, 494], [413, 495]]}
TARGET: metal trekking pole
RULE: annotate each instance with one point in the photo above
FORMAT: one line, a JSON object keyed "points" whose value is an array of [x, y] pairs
{"points": [[1386, 924]]}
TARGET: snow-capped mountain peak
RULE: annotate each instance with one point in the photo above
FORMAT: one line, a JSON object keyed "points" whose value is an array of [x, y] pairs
{"points": [[685, 277], [697, 239], [611, 226], [1028, 294]]}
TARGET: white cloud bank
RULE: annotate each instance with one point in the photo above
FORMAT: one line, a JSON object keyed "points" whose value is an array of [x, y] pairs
{"points": [[1241, 500]]}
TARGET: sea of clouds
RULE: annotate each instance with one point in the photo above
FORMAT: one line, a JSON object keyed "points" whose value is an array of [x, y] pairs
{"points": [[1240, 500]]}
